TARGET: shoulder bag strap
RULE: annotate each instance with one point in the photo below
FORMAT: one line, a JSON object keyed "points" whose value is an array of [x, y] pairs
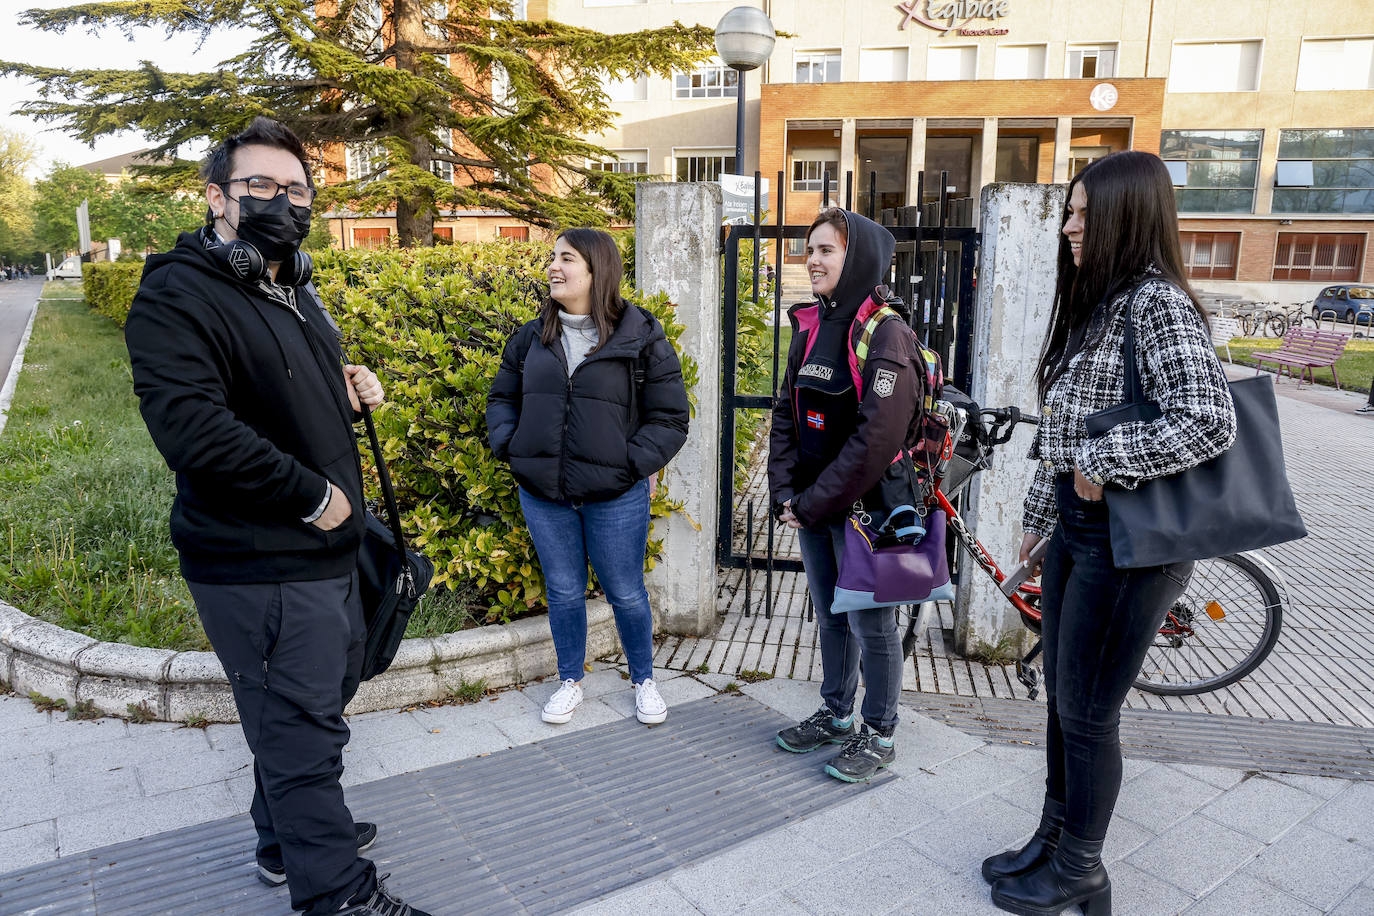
{"points": [[1135, 388], [393, 512]]}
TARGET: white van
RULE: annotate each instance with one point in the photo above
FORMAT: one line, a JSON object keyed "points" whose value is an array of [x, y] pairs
{"points": [[69, 269]]}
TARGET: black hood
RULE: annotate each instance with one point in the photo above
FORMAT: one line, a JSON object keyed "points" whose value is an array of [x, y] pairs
{"points": [[867, 259], [189, 251]]}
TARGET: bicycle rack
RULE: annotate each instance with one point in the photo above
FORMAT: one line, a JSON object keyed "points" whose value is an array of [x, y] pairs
{"points": [[1367, 320], [1321, 316]]}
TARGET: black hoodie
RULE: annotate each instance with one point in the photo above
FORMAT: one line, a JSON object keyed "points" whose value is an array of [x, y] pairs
{"points": [[838, 453], [242, 388]]}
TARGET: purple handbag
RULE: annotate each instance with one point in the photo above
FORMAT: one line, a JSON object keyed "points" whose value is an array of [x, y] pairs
{"points": [[900, 574]]}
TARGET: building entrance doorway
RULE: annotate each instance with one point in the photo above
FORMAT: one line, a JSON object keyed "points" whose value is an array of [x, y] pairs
{"points": [[883, 158]]}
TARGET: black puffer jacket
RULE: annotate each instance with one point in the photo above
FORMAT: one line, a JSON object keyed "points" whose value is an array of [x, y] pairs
{"points": [[592, 435]]}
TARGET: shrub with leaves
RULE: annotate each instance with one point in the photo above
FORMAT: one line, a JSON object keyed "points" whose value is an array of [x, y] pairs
{"points": [[110, 287], [433, 323]]}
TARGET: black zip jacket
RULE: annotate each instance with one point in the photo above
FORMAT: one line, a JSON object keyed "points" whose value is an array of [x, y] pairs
{"points": [[828, 449], [591, 435], [243, 393]]}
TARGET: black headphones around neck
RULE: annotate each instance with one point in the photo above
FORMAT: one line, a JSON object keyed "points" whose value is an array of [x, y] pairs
{"points": [[243, 261]]}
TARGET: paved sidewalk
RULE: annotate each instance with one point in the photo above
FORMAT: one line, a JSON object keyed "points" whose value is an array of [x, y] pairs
{"points": [[1318, 672], [1188, 838], [17, 301]]}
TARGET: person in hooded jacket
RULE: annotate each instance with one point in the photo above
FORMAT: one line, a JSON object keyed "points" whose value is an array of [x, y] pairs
{"points": [[241, 381], [831, 444], [588, 406]]}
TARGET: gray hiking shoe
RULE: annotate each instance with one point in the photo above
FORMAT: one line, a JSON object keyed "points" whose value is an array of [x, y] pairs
{"points": [[814, 731], [861, 757]]}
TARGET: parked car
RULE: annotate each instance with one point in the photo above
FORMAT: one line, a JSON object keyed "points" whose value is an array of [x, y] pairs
{"points": [[69, 269], [1348, 302]]}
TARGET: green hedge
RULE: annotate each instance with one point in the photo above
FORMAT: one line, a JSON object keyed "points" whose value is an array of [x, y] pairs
{"points": [[110, 287], [433, 322]]}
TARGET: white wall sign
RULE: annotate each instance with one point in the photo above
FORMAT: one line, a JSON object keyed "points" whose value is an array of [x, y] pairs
{"points": [[1103, 97]]}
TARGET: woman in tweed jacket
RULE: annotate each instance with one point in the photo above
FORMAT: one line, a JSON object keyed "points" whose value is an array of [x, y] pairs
{"points": [[1119, 245]]}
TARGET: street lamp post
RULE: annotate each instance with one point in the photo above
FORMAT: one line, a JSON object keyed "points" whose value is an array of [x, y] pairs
{"points": [[744, 39]]}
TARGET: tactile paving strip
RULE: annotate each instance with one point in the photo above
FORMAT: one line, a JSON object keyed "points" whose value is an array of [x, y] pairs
{"points": [[535, 829], [1310, 748]]}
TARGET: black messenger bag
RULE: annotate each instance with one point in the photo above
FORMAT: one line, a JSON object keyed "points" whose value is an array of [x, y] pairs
{"points": [[391, 579], [1237, 501]]}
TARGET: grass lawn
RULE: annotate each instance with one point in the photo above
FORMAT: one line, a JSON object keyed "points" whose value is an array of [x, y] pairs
{"points": [[1356, 367], [84, 496]]}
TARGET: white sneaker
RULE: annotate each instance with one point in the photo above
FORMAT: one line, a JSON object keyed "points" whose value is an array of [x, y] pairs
{"points": [[559, 709], [649, 706]]}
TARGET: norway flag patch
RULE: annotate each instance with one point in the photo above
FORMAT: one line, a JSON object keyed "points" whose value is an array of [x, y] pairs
{"points": [[815, 419]]}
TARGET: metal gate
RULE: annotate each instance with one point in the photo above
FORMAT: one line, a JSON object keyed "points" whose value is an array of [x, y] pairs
{"points": [[933, 271]]}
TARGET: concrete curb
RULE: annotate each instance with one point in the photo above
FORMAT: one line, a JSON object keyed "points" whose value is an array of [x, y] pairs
{"points": [[175, 686]]}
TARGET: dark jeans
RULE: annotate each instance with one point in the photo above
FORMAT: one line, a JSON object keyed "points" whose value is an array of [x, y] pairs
{"points": [[869, 635], [293, 653], [612, 534], [1098, 623]]}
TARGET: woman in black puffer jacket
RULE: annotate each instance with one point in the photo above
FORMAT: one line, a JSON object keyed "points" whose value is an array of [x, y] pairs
{"points": [[588, 406]]}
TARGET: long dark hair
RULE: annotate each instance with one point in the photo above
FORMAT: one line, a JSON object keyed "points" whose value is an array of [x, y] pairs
{"points": [[1131, 225], [598, 249]]}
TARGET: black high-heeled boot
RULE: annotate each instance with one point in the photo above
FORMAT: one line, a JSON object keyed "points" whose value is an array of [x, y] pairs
{"points": [[1035, 853], [1073, 875]]}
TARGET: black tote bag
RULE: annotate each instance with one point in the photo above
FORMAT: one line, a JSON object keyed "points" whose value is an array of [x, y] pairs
{"points": [[1237, 501], [391, 578]]}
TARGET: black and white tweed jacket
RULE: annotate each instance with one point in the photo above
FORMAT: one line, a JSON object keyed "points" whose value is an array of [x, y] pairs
{"points": [[1178, 369]]}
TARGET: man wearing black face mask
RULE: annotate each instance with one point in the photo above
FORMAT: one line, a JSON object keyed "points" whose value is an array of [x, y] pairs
{"points": [[241, 381]]}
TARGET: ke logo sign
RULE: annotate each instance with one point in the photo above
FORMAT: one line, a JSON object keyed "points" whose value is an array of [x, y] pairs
{"points": [[953, 16]]}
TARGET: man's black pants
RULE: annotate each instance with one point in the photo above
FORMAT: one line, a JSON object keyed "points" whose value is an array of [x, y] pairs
{"points": [[293, 653]]}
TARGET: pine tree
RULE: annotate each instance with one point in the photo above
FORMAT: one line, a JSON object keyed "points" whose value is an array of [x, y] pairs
{"points": [[429, 85]]}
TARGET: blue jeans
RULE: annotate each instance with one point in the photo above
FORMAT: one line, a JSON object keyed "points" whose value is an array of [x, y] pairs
{"points": [[612, 534], [869, 634]]}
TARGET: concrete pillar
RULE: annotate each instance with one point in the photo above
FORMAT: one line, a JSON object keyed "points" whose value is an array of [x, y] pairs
{"points": [[848, 150], [987, 160], [1063, 141], [916, 162], [1020, 226], [677, 241]]}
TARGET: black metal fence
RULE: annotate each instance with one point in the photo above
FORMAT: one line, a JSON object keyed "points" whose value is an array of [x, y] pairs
{"points": [[933, 271]]}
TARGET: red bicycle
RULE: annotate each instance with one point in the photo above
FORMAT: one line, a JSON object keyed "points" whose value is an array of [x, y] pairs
{"points": [[1221, 628]]}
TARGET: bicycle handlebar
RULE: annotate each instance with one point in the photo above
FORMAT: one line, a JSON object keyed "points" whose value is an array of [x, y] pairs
{"points": [[1004, 420]]}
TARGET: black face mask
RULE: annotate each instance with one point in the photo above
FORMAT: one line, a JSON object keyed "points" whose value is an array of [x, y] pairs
{"points": [[274, 227]]}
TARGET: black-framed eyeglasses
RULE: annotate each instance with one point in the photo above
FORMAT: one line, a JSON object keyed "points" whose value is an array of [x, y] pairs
{"points": [[266, 189]]}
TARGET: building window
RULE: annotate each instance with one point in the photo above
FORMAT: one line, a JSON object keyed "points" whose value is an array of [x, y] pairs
{"points": [[1325, 171], [1215, 66], [712, 80], [1090, 62], [1210, 255], [959, 63], [443, 234], [883, 65], [1020, 62], [817, 67], [1326, 256], [634, 89], [809, 174], [626, 162], [371, 237], [1214, 171], [1336, 63], [704, 167], [361, 160], [1018, 159], [442, 168], [1080, 156], [518, 233]]}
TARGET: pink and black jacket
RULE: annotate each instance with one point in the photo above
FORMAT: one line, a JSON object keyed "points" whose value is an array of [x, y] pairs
{"points": [[835, 431]]}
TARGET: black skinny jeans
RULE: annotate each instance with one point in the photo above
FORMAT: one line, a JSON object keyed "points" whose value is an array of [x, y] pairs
{"points": [[1098, 624]]}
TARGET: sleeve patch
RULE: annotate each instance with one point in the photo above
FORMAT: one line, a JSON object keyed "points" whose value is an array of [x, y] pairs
{"points": [[884, 382]]}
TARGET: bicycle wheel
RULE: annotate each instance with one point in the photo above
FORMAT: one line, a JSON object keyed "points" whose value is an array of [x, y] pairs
{"points": [[1278, 325], [1219, 630], [1247, 325]]}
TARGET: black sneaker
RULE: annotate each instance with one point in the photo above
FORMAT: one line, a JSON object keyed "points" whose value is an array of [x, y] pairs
{"points": [[381, 903], [274, 874], [812, 732], [860, 758]]}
